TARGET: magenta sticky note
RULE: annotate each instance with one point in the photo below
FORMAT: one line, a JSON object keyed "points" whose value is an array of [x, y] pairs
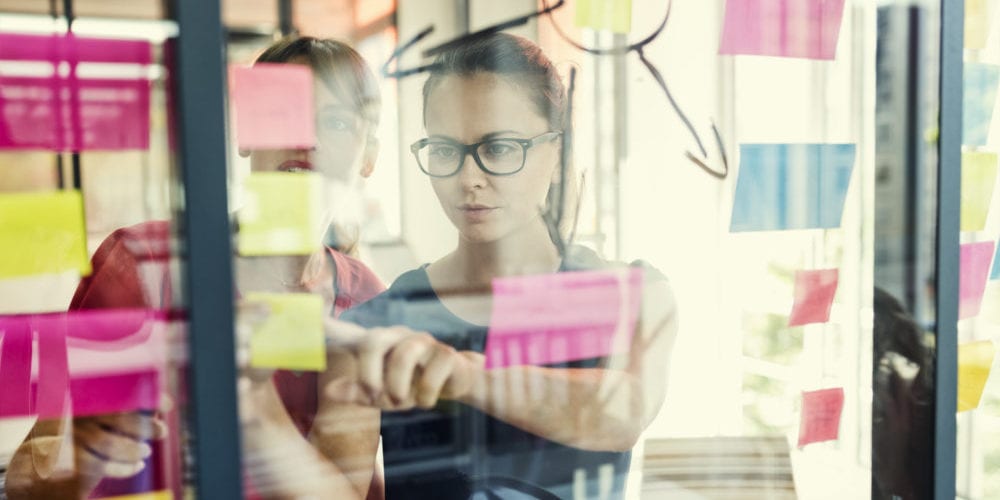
{"points": [[273, 104], [87, 363], [820, 419], [974, 269], [78, 114], [785, 28], [71, 48], [814, 292], [15, 369], [555, 318]]}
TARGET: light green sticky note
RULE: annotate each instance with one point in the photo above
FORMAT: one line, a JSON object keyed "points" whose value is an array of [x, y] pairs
{"points": [[42, 233], [974, 362], [291, 337], [979, 175], [613, 15], [282, 214], [977, 23]]}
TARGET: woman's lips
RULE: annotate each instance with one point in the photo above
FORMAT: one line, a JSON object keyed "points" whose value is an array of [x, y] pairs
{"points": [[296, 166], [475, 212]]}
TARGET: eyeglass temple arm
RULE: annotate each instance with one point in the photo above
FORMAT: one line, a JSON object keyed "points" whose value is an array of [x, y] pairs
{"points": [[700, 162]]}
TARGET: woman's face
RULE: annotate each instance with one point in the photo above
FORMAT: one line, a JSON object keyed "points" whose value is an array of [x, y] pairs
{"points": [[341, 140], [469, 109]]}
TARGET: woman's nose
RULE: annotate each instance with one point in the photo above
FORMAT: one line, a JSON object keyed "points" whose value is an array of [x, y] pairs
{"points": [[469, 174]]}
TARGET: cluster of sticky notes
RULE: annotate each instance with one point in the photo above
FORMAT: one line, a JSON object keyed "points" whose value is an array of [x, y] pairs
{"points": [[979, 175], [820, 420], [791, 186], [979, 100], [814, 292], [61, 110], [42, 233], [783, 28], [81, 363], [282, 214], [611, 15], [561, 317], [291, 337], [273, 104], [974, 268], [975, 360], [978, 21]]}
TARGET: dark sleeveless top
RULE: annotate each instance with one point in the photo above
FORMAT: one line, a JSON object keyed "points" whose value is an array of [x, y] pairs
{"points": [[454, 450]]}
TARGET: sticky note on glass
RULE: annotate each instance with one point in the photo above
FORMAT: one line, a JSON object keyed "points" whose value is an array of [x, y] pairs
{"points": [[979, 175], [820, 415], [975, 360], [978, 102], [974, 268], [611, 15], [995, 275], [152, 495], [282, 214], [560, 317], [82, 363], [977, 23], [291, 337], [791, 186], [42, 233], [784, 28], [814, 292], [273, 104]]}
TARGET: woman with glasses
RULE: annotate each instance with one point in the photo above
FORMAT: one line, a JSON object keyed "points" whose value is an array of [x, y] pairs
{"points": [[495, 114]]}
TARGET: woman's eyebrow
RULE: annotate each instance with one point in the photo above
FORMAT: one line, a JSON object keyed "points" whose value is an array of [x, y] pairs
{"points": [[499, 133]]}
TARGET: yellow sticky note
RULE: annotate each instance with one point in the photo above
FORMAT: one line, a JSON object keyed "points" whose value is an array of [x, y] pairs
{"points": [[974, 362], [613, 15], [152, 495], [42, 233], [292, 336], [282, 214], [979, 175], [977, 23]]}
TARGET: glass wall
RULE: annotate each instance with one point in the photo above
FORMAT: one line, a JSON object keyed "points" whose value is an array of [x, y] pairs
{"points": [[978, 466], [523, 249]]}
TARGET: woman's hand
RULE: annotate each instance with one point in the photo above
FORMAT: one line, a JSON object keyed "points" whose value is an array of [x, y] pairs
{"points": [[106, 446], [398, 368]]}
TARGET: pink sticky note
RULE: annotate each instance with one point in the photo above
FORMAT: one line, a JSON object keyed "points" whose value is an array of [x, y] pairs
{"points": [[15, 369], [273, 104], [99, 361], [555, 318], [74, 114], [974, 268], [71, 48], [820, 415], [785, 28], [814, 291]]}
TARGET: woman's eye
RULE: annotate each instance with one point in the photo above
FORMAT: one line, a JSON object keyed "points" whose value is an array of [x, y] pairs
{"points": [[443, 150], [499, 149]]}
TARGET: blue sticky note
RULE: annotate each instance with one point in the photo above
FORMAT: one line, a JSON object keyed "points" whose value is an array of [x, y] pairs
{"points": [[791, 186], [980, 98], [995, 275]]}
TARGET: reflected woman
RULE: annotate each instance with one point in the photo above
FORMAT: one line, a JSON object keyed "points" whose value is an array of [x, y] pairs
{"points": [[494, 110]]}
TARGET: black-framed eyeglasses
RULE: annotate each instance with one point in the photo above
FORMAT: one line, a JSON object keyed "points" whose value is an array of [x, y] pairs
{"points": [[501, 156]]}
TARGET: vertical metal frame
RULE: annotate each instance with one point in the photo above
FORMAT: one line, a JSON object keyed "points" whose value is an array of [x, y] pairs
{"points": [[199, 85], [947, 246]]}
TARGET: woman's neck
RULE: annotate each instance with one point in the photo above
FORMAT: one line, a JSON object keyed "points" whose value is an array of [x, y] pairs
{"points": [[526, 251]]}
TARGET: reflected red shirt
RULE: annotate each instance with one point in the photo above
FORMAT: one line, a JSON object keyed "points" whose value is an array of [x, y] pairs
{"points": [[131, 270]]}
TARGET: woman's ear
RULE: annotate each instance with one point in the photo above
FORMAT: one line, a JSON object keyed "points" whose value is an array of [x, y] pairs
{"points": [[370, 156]]}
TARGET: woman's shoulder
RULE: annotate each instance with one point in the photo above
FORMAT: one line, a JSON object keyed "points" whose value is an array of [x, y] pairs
{"points": [[410, 285], [356, 282], [581, 258]]}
